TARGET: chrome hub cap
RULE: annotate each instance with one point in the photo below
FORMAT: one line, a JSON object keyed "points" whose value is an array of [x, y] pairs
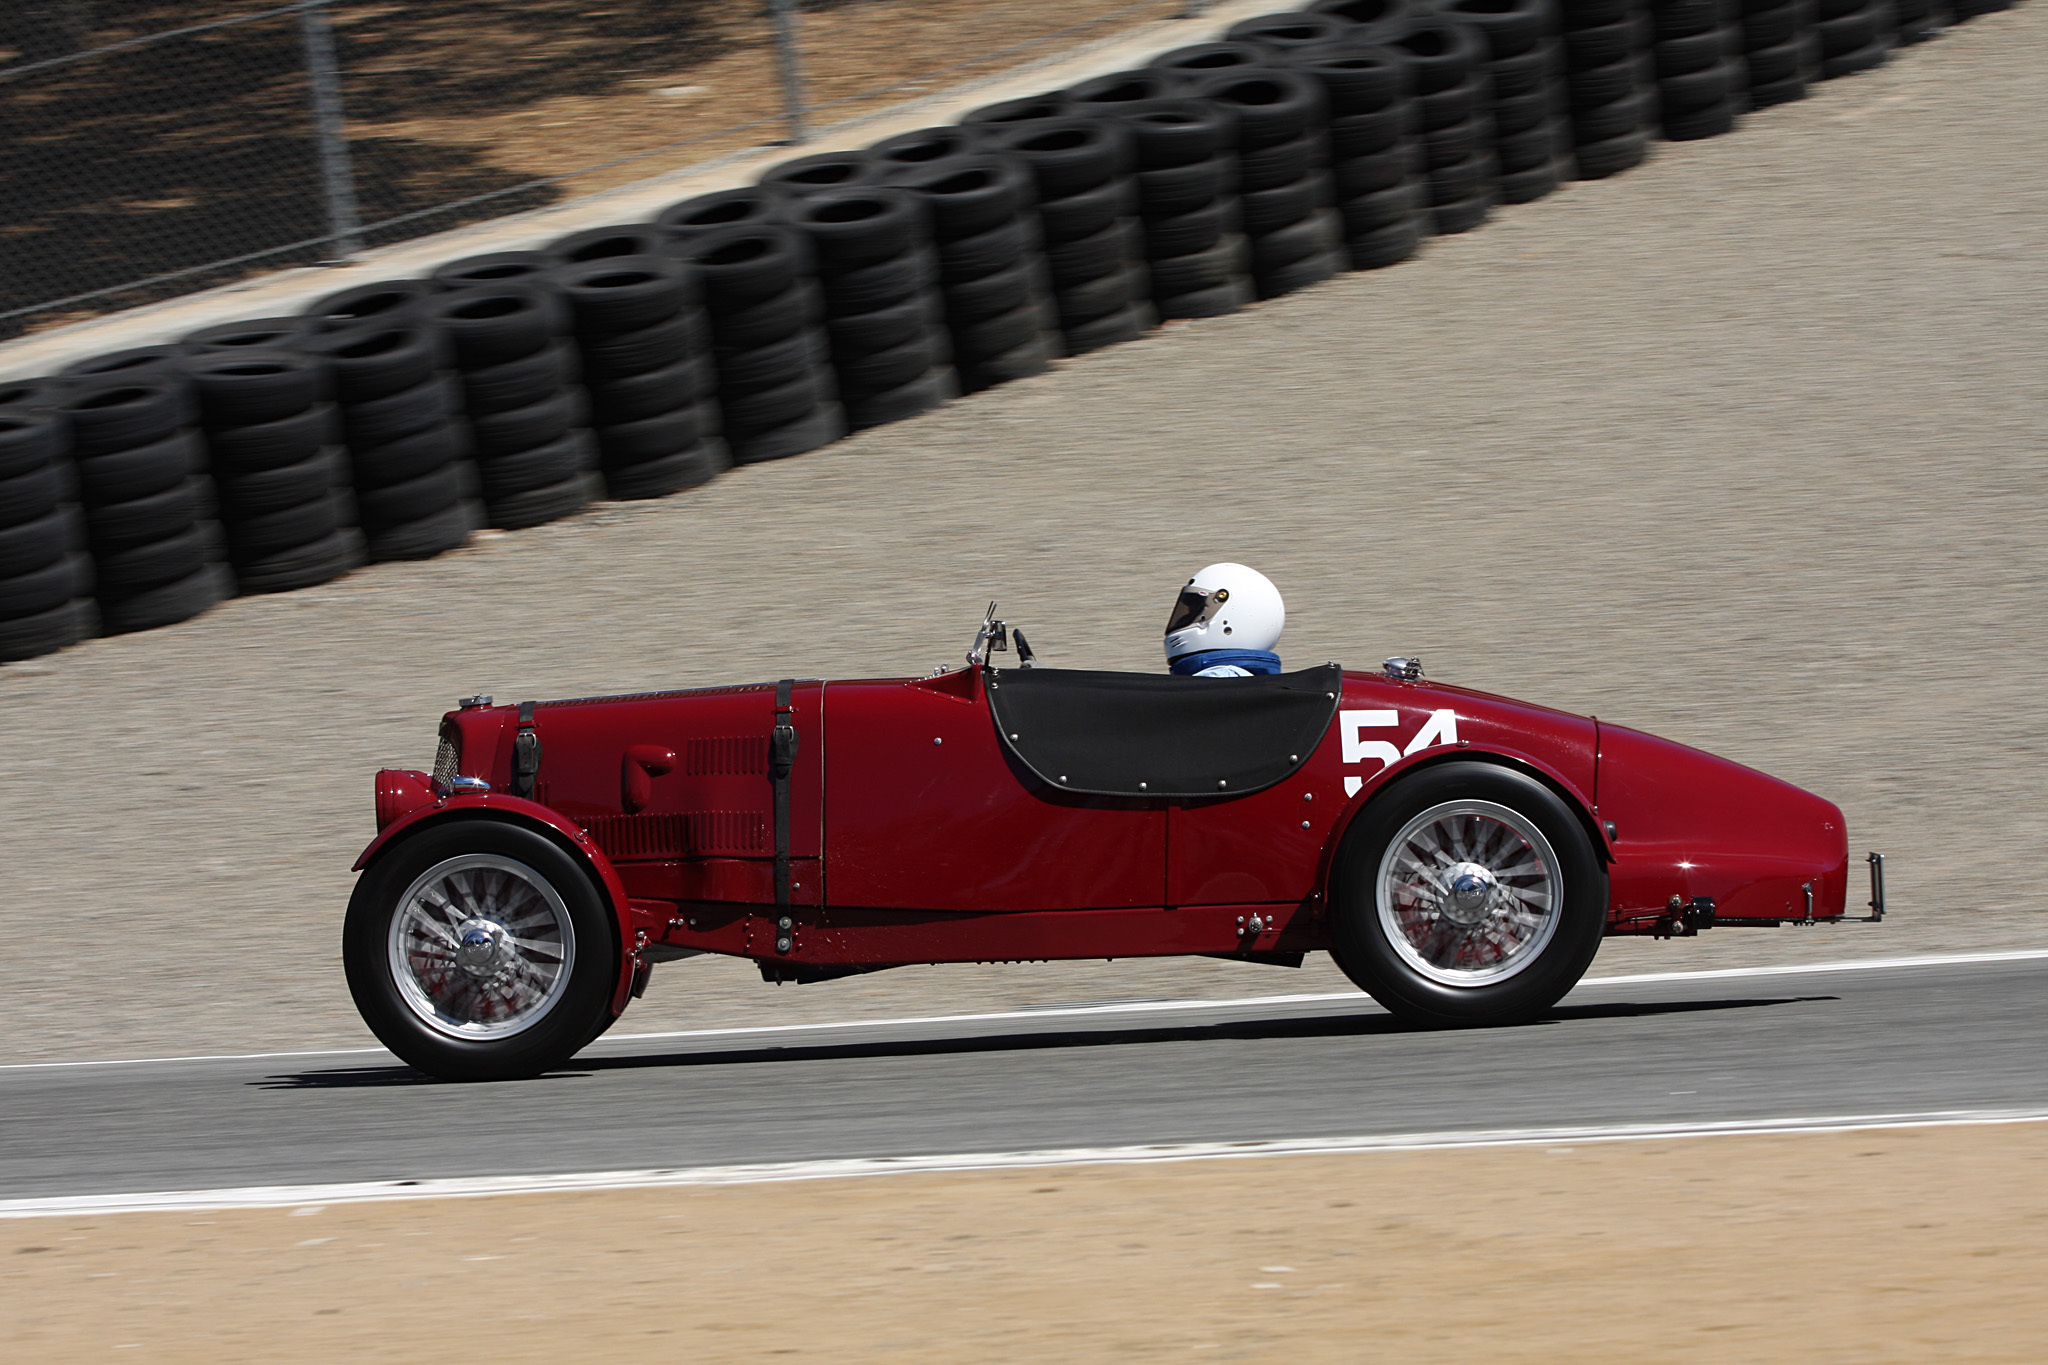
{"points": [[481, 947], [1469, 893]]}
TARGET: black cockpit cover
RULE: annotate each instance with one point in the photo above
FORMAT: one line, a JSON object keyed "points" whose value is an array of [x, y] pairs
{"points": [[1140, 734]]}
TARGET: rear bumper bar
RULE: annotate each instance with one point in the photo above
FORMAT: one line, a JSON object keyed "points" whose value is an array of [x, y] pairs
{"points": [[1684, 919]]}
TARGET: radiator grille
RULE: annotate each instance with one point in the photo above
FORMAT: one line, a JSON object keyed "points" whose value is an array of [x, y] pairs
{"points": [[683, 834], [447, 760], [736, 755]]}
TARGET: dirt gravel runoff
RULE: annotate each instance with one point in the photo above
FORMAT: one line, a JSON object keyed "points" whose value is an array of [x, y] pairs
{"points": [[1852, 1246], [1744, 447]]}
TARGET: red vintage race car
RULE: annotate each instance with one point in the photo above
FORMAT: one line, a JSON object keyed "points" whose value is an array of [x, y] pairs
{"points": [[1460, 854]]}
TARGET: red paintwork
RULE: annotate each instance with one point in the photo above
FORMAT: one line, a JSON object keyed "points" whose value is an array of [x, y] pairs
{"points": [[909, 850]]}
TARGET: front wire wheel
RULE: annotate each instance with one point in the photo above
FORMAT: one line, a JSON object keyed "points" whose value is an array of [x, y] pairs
{"points": [[1468, 893], [480, 950]]}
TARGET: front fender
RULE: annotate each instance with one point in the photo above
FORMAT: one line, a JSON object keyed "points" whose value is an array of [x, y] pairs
{"points": [[497, 806]]}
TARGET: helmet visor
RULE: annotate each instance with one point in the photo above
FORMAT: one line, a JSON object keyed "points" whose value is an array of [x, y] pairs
{"points": [[1192, 607]]}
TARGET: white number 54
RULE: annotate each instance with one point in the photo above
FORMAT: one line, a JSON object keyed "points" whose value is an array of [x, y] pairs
{"points": [[1440, 728]]}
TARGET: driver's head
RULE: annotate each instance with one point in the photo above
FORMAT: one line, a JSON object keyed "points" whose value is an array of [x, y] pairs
{"points": [[1225, 606]]}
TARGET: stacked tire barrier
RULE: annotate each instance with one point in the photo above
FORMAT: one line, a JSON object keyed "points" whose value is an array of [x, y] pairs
{"points": [[149, 506], [513, 387], [645, 348], [1447, 60], [991, 277], [398, 406], [1088, 229], [519, 369], [280, 475], [1186, 181], [1292, 236], [1608, 92], [1702, 82], [46, 576], [1375, 161], [1855, 35], [1779, 49], [884, 324], [775, 388], [1524, 69]]}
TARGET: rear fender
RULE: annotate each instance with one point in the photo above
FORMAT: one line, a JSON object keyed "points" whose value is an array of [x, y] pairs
{"points": [[1385, 780], [518, 810]]}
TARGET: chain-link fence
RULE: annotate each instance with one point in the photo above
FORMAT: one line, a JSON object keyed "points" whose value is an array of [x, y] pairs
{"points": [[156, 147]]}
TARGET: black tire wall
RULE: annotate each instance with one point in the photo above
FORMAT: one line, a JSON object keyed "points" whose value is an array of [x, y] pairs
{"points": [[46, 576]]}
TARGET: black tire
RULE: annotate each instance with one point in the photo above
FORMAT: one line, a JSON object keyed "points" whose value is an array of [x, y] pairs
{"points": [[597, 244], [1071, 263], [31, 439], [272, 533], [682, 337], [31, 637], [1389, 245], [1694, 90], [543, 505], [1773, 27], [542, 466], [1712, 121], [1370, 134], [1767, 93], [881, 328], [409, 457], [1682, 56], [853, 228], [659, 436], [774, 318], [1089, 212], [383, 300], [747, 207], [394, 505], [1112, 95], [496, 267], [1271, 106], [901, 403], [773, 407], [1034, 357], [744, 265], [436, 533], [1369, 213], [1128, 323], [273, 490], [1213, 302], [1598, 44], [1461, 180], [131, 413], [257, 334], [37, 544], [1618, 119], [503, 433], [140, 520], [1867, 58], [376, 361], [1312, 236], [303, 566], [1310, 270], [779, 362], [140, 470], [141, 567], [1370, 174], [512, 384], [1178, 132], [428, 404], [1030, 109], [1461, 215], [1454, 104], [1847, 33], [998, 334], [1766, 65], [1514, 113], [1197, 63], [1283, 163], [1442, 51], [970, 195], [1282, 33], [45, 589], [1527, 186], [880, 284], [1539, 146], [1538, 69], [1071, 155], [822, 426], [1002, 291], [169, 604], [1599, 86], [1175, 190], [888, 369], [624, 293], [1365, 947], [566, 1022], [1357, 80], [28, 398], [1508, 26], [492, 324], [1448, 146], [137, 362], [1222, 264], [1684, 18], [35, 494], [969, 258], [1196, 230], [1267, 211], [653, 391], [689, 467], [923, 146]]}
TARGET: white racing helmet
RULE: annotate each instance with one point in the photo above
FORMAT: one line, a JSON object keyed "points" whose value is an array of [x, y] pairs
{"points": [[1225, 606]]}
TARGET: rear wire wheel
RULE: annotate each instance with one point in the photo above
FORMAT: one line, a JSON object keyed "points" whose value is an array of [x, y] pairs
{"points": [[479, 950], [1468, 894]]}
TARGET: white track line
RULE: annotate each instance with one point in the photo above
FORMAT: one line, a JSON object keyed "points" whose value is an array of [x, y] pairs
{"points": [[1130, 1007], [314, 1197]]}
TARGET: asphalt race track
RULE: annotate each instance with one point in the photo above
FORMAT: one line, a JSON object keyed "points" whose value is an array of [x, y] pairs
{"points": [[1901, 1040]]}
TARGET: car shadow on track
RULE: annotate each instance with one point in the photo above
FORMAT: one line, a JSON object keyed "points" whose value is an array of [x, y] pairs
{"points": [[1358, 1025]]}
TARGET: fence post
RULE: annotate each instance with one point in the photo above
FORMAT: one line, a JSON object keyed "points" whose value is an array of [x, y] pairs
{"points": [[331, 133], [792, 72]]}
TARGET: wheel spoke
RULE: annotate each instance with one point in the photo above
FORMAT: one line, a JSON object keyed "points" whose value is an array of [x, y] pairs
{"points": [[1468, 892], [481, 947]]}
